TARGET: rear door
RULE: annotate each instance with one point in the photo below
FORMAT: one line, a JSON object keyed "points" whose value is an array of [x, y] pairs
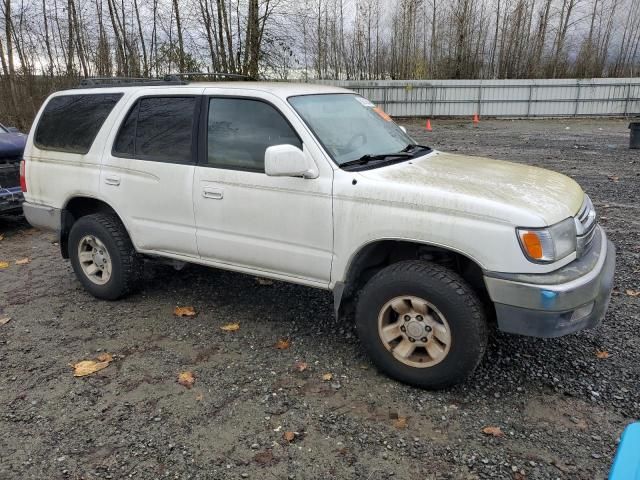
{"points": [[147, 171]]}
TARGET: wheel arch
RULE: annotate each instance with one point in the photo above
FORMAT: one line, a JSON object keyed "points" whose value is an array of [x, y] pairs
{"points": [[77, 207], [375, 255]]}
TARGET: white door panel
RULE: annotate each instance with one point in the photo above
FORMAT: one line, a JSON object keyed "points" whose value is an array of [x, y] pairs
{"points": [[157, 200], [275, 224]]}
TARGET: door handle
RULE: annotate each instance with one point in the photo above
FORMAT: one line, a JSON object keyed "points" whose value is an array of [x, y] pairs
{"points": [[112, 180], [212, 193]]}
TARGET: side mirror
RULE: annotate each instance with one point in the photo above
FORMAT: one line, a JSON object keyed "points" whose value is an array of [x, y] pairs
{"points": [[288, 161], [403, 128], [13, 130]]}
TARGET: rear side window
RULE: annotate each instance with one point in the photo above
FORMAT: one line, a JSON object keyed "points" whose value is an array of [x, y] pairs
{"points": [[158, 129], [70, 123]]}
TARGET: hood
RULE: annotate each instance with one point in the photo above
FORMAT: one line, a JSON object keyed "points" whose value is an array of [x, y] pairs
{"points": [[485, 187], [11, 144]]}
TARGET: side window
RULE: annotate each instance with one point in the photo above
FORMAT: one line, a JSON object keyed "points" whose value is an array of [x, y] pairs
{"points": [[158, 129], [125, 142], [70, 123], [240, 130]]}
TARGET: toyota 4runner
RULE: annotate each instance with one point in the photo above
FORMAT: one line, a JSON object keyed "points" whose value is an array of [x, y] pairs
{"points": [[316, 185]]}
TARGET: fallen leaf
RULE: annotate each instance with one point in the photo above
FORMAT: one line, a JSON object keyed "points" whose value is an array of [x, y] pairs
{"points": [[327, 377], [230, 327], [199, 397], [602, 354], [186, 379], [1, 237], [283, 344], [87, 367], [184, 312], [4, 320], [400, 423], [4, 265], [301, 366], [614, 178], [632, 293], [264, 281], [23, 261], [493, 431], [289, 436]]}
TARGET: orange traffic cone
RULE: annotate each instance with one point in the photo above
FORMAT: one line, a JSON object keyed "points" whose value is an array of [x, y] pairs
{"points": [[428, 127], [476, 120]]}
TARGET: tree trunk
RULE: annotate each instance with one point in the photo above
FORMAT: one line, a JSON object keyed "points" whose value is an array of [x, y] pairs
{"points": [[180, 40]]}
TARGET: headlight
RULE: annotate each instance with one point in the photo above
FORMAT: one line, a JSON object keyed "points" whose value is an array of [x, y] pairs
{"points": [[549, 244]]}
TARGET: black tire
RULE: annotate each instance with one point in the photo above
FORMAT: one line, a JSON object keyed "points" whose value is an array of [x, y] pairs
{"points": [[126, 263], [451, 296]]}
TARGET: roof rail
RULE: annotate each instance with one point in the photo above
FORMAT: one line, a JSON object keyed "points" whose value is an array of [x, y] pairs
{"points": [[105, 82], [224, 75]]}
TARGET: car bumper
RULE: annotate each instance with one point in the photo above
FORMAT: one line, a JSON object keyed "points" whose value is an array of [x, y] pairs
{"points": [[10, 199], [42, 216], [572, 298]]}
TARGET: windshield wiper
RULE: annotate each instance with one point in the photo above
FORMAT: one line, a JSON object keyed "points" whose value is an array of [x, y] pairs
{"points": [[368, 158], [414, 146]]}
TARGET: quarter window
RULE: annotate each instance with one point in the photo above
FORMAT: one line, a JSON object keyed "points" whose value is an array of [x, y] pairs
{"points": [[240, 130], [158, 129], [125, 144], [70, 123]]}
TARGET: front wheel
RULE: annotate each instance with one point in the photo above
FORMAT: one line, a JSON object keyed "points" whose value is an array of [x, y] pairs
{"points": [[422, 324]]}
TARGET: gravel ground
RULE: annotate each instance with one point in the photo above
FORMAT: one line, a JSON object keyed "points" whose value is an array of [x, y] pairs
{"points": [[561, 408]]}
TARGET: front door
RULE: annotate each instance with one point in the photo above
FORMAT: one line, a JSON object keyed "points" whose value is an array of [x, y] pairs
{"points": [[251, 221]]}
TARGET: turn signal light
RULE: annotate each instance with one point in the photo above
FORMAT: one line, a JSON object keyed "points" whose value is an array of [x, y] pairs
{"points": [[532, 245]]}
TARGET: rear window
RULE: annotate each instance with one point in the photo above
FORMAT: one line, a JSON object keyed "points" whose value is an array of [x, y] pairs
{"points": [[70, 123]]}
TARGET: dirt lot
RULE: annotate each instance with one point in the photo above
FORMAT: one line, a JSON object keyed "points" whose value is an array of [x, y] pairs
{"points": [[561, 408]]}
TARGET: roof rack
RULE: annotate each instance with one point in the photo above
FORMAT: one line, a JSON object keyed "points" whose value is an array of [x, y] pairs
{"points": [[104, 82], [232, 76]]}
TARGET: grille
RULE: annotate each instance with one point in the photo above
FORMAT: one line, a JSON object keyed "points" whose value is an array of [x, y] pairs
{"points": [[585, 226]]}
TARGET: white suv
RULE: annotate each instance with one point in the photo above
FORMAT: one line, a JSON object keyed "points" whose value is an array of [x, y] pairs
{"points": [[315, 185]]}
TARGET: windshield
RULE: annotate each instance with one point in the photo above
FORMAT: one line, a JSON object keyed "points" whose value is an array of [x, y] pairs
{"points": [[350, 126], [2, 129]]}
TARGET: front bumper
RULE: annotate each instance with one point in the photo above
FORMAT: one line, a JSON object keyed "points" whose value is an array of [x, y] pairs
{"points": [[572, 298]]}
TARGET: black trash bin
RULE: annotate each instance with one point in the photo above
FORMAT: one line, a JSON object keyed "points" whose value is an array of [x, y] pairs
{"points": [[634, 136]]}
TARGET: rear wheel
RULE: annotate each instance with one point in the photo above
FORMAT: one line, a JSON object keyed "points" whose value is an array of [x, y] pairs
{"points": [[103, 256], [422, 324]]}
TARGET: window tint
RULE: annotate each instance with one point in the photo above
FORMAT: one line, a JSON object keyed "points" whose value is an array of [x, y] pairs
{"points": [[164, 130], [240, 130], [125, 142], [158, 129], [70, 123]]}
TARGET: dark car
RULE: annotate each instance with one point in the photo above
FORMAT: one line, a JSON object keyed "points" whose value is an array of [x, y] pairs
{"points": [[11, 147]]}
